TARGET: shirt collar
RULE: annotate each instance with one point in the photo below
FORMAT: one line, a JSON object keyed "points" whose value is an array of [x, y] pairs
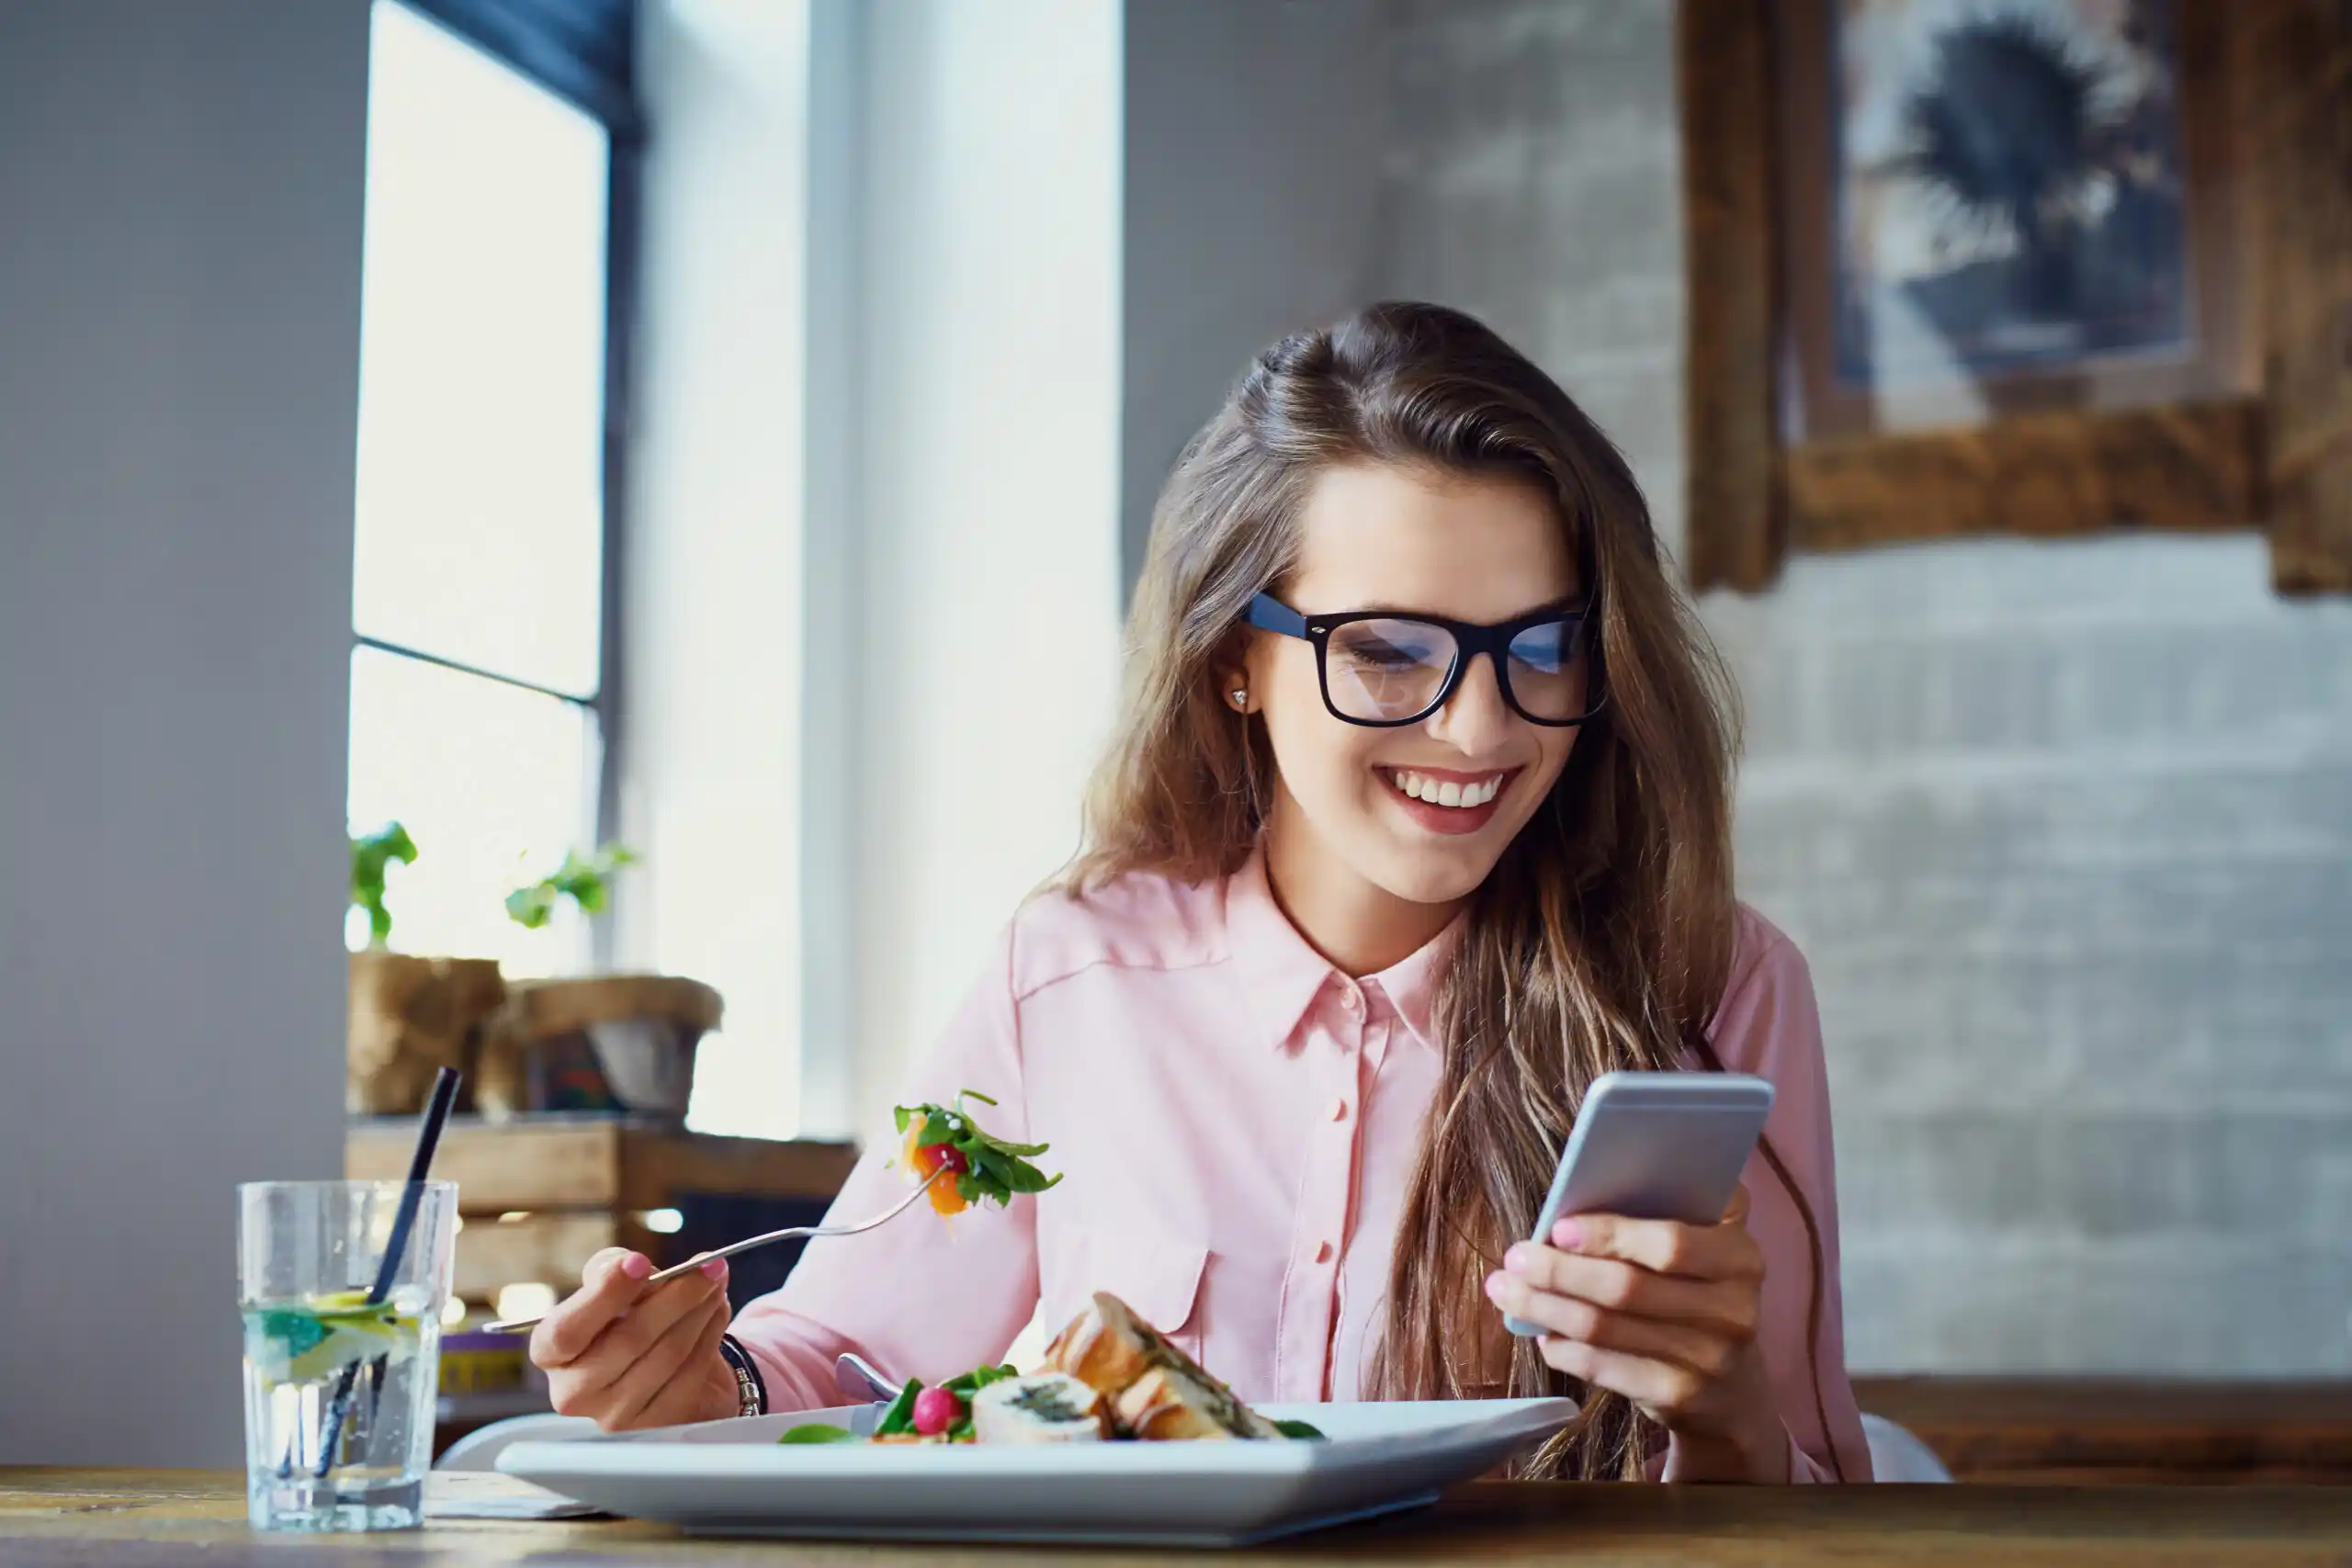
{"points": [[1284, 974]]}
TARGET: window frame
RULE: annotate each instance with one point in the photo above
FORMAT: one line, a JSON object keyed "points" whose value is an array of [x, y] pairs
{"points": [[585, 52]]}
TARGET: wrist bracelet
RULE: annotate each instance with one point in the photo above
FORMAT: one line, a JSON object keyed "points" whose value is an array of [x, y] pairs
{"points": [[751, 1389]]}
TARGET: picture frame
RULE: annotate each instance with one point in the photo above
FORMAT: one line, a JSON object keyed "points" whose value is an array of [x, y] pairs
{"points": [[1856, 377]]}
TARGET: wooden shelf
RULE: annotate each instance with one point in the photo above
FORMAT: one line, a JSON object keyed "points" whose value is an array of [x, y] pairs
{"points": [[575, 1185], [594, 1162]]}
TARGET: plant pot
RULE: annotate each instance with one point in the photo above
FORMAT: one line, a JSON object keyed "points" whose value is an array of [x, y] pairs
{"points": [[410, 1017], [617, 1043]]}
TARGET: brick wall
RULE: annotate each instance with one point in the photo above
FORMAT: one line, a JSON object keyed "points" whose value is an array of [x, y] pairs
{"points": [[2065, 829]]}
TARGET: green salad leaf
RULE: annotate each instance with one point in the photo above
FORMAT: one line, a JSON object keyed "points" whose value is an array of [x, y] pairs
{"points": [[818, 1432], [1298, 1429], [900, 1416], [978, 1378]]}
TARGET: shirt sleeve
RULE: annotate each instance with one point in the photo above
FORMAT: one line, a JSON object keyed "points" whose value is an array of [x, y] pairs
{"points": [[1768, 1025], [925, 1295]]}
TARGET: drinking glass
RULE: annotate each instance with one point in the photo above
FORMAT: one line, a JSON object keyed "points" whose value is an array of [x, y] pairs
{"points": [[340, 1389]]}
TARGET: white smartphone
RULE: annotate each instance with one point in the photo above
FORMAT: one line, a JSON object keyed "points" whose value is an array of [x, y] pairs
{"points": [[1656, 1146]]}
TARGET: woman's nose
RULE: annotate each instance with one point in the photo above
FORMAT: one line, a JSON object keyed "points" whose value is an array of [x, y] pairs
{"points": [[1475, 718]]}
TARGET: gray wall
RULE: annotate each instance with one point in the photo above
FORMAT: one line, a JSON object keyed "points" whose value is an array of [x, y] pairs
{"points": [[180, 307], [1251, 184], [2065, 829]]}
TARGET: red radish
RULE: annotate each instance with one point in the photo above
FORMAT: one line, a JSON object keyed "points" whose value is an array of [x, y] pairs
{"points": [[936, 1409]]}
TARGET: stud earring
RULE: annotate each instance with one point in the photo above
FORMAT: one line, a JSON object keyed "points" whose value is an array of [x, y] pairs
{"points": [[1241, 699]]}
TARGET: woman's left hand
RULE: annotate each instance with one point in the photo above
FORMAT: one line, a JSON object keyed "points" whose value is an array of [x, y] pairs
{"points": [[1665, 1314]]}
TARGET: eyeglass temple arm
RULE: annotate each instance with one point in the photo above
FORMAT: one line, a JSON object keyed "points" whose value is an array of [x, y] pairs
{"points": [[1270, 614]]}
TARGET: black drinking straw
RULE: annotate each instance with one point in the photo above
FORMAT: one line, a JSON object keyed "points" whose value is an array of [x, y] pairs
{"points": [[428, 1138]]}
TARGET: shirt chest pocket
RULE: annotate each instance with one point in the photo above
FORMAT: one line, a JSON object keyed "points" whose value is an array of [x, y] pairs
{"points": [[1161, 1279]]}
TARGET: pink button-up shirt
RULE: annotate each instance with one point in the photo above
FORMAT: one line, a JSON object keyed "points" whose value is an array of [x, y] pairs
{"points": [[1235, 1122]]}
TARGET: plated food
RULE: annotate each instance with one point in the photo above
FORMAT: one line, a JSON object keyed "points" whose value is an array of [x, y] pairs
{"points": [[1109, 1376]]}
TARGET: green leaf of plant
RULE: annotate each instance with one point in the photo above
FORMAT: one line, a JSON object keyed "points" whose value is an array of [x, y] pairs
{"points": [[935, 1130], [974, 1094], [968, 1187], [1297, 1429], [818, 1432], [586, 883], [902, 1114], [530, 907]]}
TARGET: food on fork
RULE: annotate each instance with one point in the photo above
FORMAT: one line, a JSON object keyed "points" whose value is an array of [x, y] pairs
{"points": [[985, 1167]]}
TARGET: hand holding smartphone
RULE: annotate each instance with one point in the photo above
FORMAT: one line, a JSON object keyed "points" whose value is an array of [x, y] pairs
{"points": [[1655, 1146]]}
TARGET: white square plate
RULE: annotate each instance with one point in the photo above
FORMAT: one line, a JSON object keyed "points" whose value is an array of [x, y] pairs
{"points": [[732, 1477]]}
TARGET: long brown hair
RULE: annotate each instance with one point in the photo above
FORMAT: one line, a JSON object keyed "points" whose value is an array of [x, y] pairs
{"points": [[1604, 937]]}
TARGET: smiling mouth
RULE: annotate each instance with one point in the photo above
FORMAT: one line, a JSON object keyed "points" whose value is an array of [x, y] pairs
{"points": [[1458, 792]]}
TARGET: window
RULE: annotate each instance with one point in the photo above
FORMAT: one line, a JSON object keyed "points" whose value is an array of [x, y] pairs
{"points": [[480, 703]]}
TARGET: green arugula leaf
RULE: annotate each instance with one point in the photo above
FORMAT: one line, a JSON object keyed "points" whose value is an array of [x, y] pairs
{"points": [[818, 1432], [900, 1416], [974, 1094], [902, 1114], [1018, 1151], [1029, 1178], [1298, 1429], [971, 1383]]}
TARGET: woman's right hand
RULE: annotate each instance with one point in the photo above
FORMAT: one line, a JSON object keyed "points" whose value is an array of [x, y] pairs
{"points": [[632, 1357]]}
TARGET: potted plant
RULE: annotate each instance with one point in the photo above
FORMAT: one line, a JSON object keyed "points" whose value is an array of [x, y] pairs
{"points": [[607, 1042], [409, 1016]]}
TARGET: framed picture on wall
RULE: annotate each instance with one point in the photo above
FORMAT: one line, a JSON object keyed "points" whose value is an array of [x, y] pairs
{"points": [[2018, 267]]}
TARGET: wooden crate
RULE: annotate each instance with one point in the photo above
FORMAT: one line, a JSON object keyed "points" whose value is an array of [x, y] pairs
{"points": [[542, 1195]]}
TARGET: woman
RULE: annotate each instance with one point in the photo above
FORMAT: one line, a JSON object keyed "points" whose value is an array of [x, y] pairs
{"points": [[1417, 819]]}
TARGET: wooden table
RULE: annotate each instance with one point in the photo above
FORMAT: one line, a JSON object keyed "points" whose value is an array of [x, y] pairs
{"points": [[51, 1518], [2078, 1431]]}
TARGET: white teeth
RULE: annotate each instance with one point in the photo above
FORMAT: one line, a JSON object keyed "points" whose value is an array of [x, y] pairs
{"points": [[1461, 797]]}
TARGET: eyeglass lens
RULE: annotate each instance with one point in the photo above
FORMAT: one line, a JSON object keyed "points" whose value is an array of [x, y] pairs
{"points": [[1394, 667]]}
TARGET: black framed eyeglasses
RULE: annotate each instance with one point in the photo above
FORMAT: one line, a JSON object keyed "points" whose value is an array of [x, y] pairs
{"points": [[1385, 669]]}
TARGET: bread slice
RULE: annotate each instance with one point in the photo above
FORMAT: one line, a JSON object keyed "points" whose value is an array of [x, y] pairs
{"points": [[1174, 1405], [1106, 1347], [1045, 1407], [1155, 1390]]}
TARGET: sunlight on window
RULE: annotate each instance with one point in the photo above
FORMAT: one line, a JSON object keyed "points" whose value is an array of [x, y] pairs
{"points": [[493, 784], [481, 378], [480, 501]]}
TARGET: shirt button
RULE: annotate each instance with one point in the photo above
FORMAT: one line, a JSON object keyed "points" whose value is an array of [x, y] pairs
{"points": [[1351, 998], [1323, 1252], [1340, 1109]]}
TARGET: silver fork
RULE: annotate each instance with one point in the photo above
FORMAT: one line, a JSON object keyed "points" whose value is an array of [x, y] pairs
{"points": [[794, 1232]]}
